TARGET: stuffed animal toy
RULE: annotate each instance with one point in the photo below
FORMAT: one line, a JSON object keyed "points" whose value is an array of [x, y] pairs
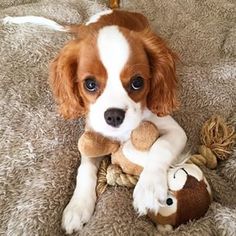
{"points": [[189, 194]]}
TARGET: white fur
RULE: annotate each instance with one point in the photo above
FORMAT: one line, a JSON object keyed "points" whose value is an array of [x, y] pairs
{"points": [[114, 52], [134, 155], [96, 17], [34, 20], [81, 206]]}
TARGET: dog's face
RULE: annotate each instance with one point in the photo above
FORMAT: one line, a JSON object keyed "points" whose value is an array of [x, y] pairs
{"points": [[112, 75]]}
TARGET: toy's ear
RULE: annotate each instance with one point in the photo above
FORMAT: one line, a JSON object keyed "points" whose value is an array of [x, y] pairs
{"points": [[92, 144], [161, 98], [178, 176]]}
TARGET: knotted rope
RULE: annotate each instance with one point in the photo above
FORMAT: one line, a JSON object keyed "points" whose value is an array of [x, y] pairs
{"points": [[217, 137], [102, 176], [110, 174], [115, 176]]}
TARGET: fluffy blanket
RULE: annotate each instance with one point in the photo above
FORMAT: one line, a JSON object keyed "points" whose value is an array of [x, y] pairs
{"points": [[38, 149]]}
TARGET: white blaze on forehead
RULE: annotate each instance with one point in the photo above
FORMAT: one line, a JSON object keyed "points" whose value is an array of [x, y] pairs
{"points": [[113, 51]]}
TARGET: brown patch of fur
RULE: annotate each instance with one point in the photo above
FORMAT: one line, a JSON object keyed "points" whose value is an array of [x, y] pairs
{"points": [[90, 65], [155, 62], [163, 83], [129, 20], [137, 64], [77, 60], [63, 77], [193, 200]]}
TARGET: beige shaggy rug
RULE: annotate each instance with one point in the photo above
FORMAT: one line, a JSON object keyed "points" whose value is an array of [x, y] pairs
{"points": [[38, 149]]}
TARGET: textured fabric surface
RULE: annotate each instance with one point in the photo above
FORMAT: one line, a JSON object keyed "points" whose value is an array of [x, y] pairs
{"points": [[38, 149]]}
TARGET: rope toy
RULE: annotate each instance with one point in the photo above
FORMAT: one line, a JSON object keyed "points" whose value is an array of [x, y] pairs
{"points": [[218, 139], [109, 174], [113, 175]]}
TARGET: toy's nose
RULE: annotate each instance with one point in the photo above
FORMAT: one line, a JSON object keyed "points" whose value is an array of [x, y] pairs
{"points": [[114, 117]]}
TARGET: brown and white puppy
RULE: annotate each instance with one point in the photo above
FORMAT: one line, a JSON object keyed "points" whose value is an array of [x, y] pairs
{"points": [[117, 73]]}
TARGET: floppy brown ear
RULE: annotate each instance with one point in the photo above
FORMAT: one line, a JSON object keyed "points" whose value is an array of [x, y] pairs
{"points": [[63, 81], [162, 95]]}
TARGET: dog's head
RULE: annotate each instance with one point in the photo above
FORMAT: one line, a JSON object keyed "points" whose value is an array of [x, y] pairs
{"points": [[112, 75]]}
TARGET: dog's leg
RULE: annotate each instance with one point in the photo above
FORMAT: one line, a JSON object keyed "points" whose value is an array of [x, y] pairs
{"points": [[151, 189], [81, 206]]}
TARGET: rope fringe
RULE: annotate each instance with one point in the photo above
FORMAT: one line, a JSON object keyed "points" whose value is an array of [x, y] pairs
{"points": [[218, 138]]}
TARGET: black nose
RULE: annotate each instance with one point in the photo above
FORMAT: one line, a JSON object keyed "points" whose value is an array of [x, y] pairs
{"points": [[114, 116]]}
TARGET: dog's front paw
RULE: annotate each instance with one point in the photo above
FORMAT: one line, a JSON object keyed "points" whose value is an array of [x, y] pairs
{"points": [[150, 192], [76, 214]]}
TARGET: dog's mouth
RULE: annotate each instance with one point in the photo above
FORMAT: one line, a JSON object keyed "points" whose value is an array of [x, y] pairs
{"points": [[119, 133]]}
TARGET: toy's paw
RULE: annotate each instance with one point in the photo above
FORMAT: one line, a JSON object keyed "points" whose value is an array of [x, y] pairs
{"points": [[76, 214], [150, 192]]}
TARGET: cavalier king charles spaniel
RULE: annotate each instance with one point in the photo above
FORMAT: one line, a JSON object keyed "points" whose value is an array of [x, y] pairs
{"points": [[117, 72]]}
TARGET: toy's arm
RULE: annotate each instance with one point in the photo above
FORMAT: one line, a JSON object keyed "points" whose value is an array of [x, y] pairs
{"points": [[93, 145]]}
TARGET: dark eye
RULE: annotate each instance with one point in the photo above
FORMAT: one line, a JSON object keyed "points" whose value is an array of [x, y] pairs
{"points": [[90, 84], [136, 82], [169, 201]]}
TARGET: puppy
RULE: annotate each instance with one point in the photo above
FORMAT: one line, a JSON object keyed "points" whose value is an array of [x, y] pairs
{"points": [[117, 72]]}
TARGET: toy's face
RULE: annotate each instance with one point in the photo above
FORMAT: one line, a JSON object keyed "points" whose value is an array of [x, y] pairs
{"points": [[188, 197]]}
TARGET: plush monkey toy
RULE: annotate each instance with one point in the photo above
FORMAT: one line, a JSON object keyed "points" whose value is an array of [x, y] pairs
{"points": [[189, 194]]}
